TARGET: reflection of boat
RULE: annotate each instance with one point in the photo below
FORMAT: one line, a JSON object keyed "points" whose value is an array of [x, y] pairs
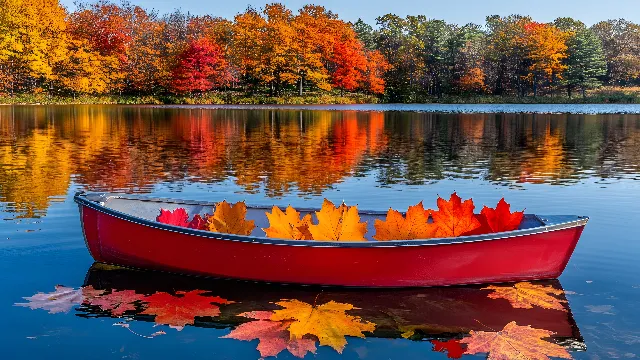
{"points": [[436, 312], [122, 230]]}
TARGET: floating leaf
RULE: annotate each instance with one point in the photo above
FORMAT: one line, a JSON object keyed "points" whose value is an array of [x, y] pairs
{"points": [[412, 226], [89, 293], [230, 219], [117, 302], [454, 217], [182, 309], [177, 217], [273, 336], [338, 223], [514, 342], [328, 322], [501, 218], [61, 300], [453, 348], [524, 295], [288, 225]]}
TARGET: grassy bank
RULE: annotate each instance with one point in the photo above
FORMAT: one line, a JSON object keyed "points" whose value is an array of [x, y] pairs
{"points": [[607, 95]]}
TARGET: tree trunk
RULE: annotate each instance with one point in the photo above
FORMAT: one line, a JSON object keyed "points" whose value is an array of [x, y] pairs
{"points": [[584, 92], [301, 83]]}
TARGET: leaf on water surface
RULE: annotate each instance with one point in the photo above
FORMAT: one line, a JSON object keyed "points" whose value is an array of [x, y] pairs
{"points": [[340, 223], [177, 217], [514, 342], [328, 322], [501, 218], [414, 225], [273, 336], [524, 295], [181, 309], [61, 300], [454, 217], [89, 293], [117, 302], [453, 348], [230, 219], [288, 225]]}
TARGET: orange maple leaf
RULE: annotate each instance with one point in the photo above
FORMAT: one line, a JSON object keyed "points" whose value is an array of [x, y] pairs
{"points": [[501, 218], [514, 342], [328, 322], [273, 336], [288, 225], [454, 217], [181, 309], [230, 219], [414, 225], [524, 295], [338, 223]]}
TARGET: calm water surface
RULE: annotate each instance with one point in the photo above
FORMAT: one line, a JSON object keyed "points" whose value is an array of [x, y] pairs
{"points": [[548, 164]]}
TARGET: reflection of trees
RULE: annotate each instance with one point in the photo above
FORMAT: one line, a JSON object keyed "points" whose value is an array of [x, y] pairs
{"points": [[278, 152]]}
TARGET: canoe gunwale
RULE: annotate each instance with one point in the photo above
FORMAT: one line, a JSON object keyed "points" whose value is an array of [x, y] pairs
{"points": [[95, 203]]}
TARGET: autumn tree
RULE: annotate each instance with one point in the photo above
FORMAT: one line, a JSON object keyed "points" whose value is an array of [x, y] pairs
{"points": [[200, 67], [377, 66], [546, 50], [350, 63], [394, 44], [621, 43]]}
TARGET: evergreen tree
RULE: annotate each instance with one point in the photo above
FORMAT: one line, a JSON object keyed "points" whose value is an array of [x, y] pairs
{"points": [[366, 34], [585, 62]]}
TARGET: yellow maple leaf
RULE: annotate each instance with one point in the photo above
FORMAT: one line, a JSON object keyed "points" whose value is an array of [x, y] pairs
{"points": [[412, 226], [288, 225], [230, 219], [524, 295], [340, 223], [328, 322], [514, 342]]}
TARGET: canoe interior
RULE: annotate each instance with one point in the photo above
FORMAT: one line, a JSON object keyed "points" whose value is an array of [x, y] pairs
{"points": [[149, 209]]}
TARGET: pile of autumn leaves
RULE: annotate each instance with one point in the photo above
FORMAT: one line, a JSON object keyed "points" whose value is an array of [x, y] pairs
{"points": [[342, 223]]}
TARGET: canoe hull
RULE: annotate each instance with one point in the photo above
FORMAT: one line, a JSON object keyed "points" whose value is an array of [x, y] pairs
{"points": [[543, 255]]}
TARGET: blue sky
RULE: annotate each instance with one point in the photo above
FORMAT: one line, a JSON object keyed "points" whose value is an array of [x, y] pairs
{"points": [[461, 11]]}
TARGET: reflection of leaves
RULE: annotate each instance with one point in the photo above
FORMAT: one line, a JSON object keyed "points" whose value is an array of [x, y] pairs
{"points": [[328, 322], [180, 310], [61, 300], [273, 336], [340, 223], [452, 347], [524, 295], [288, 225], [501, 218], [454, 217], [117, 302], [514, 342], [177, 217], [412, 226], [230, 219]]}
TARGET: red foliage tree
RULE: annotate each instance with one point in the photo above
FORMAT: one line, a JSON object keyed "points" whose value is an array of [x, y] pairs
{"points": [[201, 66], [350, 64], [376, 67]]}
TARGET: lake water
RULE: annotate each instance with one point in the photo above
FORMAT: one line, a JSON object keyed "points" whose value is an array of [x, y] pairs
{"points": [[548, 164]]}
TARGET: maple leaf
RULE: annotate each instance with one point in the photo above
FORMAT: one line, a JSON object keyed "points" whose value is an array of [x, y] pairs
{"points": [[177, 217], [338, 223], [454, 217], [117, 302], [198, 223], [61, 300], [273, 336], [514, 342], [288, 225], [524, 295], [414, 225], [501, 218], [182, 309], [452, 347], [328, 322], [89, 293], [230, 219]]}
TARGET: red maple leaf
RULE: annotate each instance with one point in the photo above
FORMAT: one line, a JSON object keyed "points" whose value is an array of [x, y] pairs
{"points": [[501, 218], [453, 348], [198, 223], [273, 336], [177, 217], [117, 302], [181, 309], [454, 217]]}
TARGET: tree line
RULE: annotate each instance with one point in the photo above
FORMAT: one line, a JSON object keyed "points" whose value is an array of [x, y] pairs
{"points": [[119, 48]]}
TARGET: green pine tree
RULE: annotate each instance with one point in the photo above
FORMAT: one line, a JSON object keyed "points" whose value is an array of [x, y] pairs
{"points": [[585, 62]]}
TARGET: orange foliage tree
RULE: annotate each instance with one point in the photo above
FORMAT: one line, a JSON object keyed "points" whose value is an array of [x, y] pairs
{"points": [[547, 49]]}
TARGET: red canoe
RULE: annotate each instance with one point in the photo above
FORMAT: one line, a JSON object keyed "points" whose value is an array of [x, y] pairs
{"points": [[121, 230]]}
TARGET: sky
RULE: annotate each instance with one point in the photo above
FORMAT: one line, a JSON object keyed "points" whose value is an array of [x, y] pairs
{"points": [[459, 12]]}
